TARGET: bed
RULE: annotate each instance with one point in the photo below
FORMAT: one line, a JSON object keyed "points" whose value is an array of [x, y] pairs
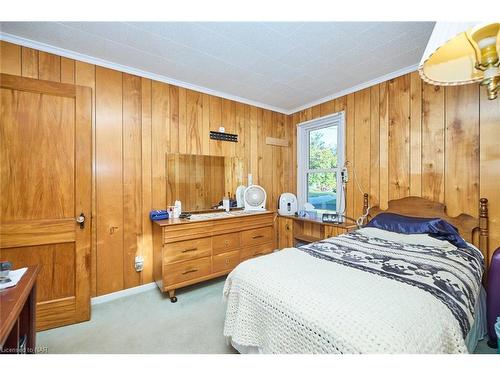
{"points": [[369, 291]]}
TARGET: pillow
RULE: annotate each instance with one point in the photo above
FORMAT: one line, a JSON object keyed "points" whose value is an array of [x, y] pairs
{"points": [[436, 228]]}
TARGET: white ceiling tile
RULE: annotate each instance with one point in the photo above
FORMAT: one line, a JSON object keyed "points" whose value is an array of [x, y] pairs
{"points": [[281, 64], [320, 33], [187, 33], [116, 31], [228, 51], [405, 57], [285, 28], [45, 32], [253, 35], [385, 30], [256, 93], [273, 70], [297, 57], [301, 82]]}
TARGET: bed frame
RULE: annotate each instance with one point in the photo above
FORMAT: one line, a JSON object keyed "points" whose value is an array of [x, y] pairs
{"points": [[467, 225]]}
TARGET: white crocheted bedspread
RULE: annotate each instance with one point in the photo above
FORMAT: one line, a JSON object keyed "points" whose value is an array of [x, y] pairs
{"points": [[292, 302]]}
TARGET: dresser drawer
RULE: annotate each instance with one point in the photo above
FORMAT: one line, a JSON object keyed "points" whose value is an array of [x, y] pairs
{"points": [[184, 250], [225, 242], [225, 261], [257, 236], [183, 271], [255, 251]]}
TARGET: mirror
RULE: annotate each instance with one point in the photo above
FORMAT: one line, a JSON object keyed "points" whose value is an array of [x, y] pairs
{"points": [[201, 181]]}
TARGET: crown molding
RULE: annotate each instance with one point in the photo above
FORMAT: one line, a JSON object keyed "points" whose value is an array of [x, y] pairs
{"points": [[161, 78], [358, 87], [127, 69]]}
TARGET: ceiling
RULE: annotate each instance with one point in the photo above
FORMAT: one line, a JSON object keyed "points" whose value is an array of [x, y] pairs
{"points": [[283, 66]]}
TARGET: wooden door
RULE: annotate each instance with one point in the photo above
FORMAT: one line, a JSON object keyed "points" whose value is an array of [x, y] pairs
{"points": [[45, 182]]}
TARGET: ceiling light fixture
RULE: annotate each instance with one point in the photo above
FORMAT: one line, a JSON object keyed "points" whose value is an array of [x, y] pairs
{"points": [[457, 57]]}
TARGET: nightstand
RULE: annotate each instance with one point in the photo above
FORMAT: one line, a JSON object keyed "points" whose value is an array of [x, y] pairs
{"points": [[293, 229]]}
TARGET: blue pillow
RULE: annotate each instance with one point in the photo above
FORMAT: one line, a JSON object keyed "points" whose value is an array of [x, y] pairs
{"points": [[437, 228]]}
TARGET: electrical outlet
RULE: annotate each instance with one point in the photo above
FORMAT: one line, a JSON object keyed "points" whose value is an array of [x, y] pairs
{"points": [[139, 263], [345, 175]]}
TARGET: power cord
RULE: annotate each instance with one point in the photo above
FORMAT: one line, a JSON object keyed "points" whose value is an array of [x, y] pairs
{"points": [[363, 217]]}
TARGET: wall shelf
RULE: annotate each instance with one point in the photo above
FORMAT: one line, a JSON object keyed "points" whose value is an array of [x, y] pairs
{"points": [[306, 238]]}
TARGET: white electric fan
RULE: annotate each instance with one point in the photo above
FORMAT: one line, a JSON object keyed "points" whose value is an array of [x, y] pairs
{"points": [[255, 198]]}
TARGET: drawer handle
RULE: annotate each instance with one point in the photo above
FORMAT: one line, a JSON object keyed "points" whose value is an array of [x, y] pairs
{"points": [[259, 236], [258, 253], [191, 249], [189, 271]]}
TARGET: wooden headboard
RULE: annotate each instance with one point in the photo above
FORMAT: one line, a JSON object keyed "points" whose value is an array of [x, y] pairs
{"points": [[467, 225]]}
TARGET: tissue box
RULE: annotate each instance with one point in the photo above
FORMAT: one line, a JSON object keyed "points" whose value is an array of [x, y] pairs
{"points": [[156, 215]]}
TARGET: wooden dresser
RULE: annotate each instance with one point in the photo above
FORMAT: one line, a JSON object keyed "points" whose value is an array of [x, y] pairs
{"points": [[187, 252]]}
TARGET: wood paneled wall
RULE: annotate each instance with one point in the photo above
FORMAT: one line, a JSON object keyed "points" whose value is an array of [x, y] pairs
{"points": [[405, 137], [136, 121]]}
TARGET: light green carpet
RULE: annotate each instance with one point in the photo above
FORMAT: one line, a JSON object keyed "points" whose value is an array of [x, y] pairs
{"points": [[149, 323]]}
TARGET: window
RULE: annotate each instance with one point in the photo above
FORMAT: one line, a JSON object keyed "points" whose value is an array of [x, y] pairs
{"points": [[320, 158]]}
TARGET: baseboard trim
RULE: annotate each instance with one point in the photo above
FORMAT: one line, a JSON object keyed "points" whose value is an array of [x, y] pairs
{"points": [[122, 293]]}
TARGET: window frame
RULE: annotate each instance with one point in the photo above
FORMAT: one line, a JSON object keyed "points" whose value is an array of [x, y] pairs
{"points": [[303, 137]]}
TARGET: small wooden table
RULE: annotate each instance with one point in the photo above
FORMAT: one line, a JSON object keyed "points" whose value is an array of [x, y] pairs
{"points": [[294, 228], [17, 315]]}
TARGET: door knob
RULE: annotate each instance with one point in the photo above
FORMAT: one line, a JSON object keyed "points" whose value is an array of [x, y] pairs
{"points": [[81, 220]]}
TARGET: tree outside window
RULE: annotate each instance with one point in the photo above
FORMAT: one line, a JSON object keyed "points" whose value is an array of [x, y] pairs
{"points": [[321, 176]]}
